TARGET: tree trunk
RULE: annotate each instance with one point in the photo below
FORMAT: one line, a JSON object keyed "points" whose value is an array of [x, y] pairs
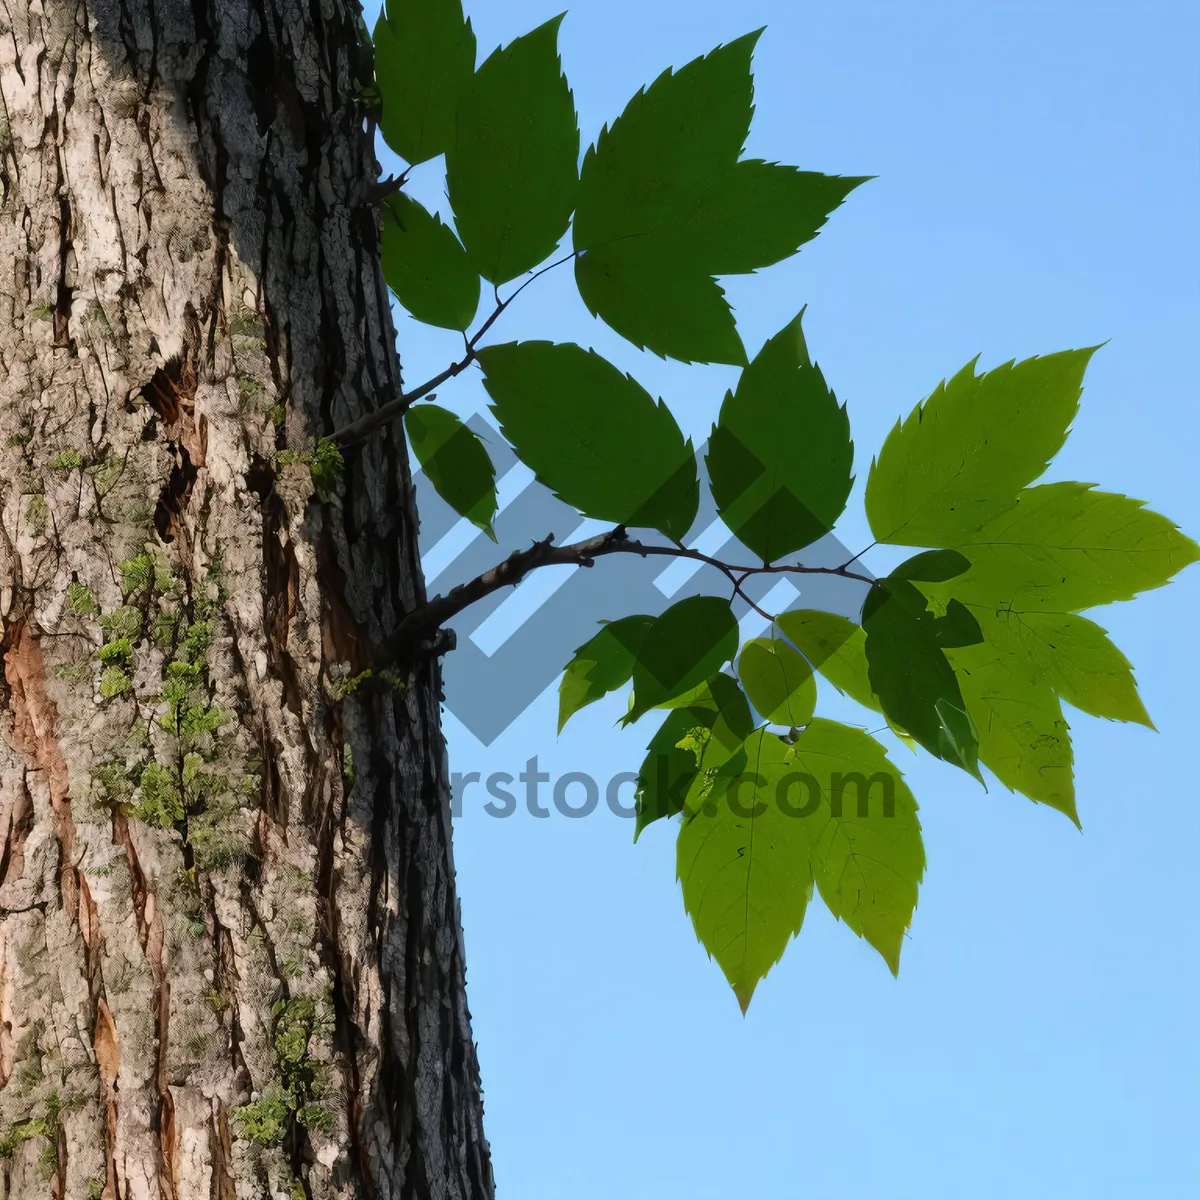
{"points": [[230, 955]]}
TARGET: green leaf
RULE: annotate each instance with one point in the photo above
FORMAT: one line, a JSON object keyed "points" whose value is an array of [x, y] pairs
{"points": [[1012, 684], [1064, 547], [424, 59], [1075, 656], [512, 170], [653, 165], [780, 455], [837, 648], [685, 646], [834, 646], [665, 205], [763, 212], [1069, 654], [455, 462], [425, 265], [1023, 737], [963, 454], [601, 665], [778, 681], [957, 627], [745, 867], [831, 810], [869, 856], [594, 435], [934, 566], [909, 672], [694, 740], [656, 298]]}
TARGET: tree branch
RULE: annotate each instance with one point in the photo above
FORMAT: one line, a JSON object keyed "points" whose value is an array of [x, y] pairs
{"points": [[418, 628]]}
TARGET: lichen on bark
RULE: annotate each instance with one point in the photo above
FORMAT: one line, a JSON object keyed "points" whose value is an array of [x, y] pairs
{"points": [[201, 904]]}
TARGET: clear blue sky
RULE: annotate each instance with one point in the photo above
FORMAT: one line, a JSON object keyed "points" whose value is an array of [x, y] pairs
{"points": [[1039, 189]]}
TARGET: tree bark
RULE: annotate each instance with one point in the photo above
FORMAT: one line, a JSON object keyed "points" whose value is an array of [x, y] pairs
{"points": [[231, 960]]}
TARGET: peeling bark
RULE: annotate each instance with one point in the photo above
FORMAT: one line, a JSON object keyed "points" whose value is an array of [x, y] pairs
{"points": [[231, 960]]}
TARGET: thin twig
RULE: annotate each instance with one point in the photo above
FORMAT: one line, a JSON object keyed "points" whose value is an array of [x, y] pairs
{"points": [[385, 414], [762, 612], [630, 547], [360, 430]]}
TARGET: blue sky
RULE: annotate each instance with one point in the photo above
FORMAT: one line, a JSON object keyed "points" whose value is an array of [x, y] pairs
{"points": [[1038, 189]]}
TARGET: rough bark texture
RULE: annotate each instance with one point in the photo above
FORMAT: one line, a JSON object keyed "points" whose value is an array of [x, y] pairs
{"points": [[230, 955]]}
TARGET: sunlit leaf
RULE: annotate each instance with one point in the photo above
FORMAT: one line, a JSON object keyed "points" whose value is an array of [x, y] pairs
{"points": [[962, 455], [780, 455], [778, 681], [835, 647], [869, 856], [830, 809], [1012, 685], [512, 169], [424, 58], [746, 867], [1076, 657], [455, 462], [1064, 547], [594, 435], [1023, 736], [425, 265]]}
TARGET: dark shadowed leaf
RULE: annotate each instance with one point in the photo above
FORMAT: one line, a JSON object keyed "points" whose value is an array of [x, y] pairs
{"points": [[934, 566], [665, 205], [963, 454], [694, 740], [512, 171], [837, 649], [957, 626], [594, 435], [684, 647], [910, 674], [780, 455], [762, 213], [424, 59], [455, 462], [601, 665], [425, 265], [655, 297]]}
